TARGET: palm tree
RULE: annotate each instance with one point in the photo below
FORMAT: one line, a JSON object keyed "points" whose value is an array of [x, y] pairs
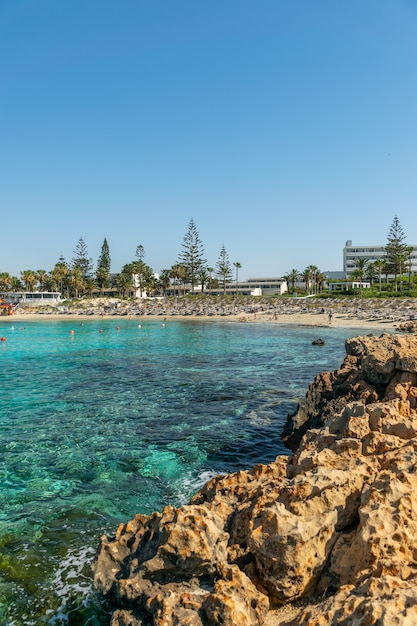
{"points": [[164, 279], [124, 283], [314, 270], [41, 276], [409, 252], [237, 266], [29, 278], [178, 272], [102, 277], [210, 271], [60, 272], [320, 279], [371, 271], [306, 276], [76, 281], [401, 258], [379, 265], [360, 271], [90, 285], [15, 284], [292, 278], [203, 276], [5, 281]]}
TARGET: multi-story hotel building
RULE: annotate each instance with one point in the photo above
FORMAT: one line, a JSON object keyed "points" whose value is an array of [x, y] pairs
{"points": [[371, 253]]}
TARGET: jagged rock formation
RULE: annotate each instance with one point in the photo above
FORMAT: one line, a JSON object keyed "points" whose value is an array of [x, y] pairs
{"points": [[335, 523]]}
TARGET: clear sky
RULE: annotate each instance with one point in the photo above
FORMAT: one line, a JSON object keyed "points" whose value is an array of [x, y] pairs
{"points": [[282, 127]]}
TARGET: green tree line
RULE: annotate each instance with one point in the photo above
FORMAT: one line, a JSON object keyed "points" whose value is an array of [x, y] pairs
{"points": [[80, 276]]}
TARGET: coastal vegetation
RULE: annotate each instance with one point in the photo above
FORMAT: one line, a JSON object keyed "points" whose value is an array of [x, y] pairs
{"points": [[390, 275]]}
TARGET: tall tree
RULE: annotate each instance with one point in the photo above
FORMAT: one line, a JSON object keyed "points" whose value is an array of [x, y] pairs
{"points": [[81, 261], [396, 249], [142, 272], [224, 268], [292, 278], [314, 271], [103, 266], [306, 276], [192, 255], [320, 280], [60, 273], [140, 252], [360, 271], [237, 267], [379, 264], [371, 272]]}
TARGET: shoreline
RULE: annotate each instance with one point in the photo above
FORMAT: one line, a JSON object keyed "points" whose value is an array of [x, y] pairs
{"points": [[314, 320], [376, 314]]}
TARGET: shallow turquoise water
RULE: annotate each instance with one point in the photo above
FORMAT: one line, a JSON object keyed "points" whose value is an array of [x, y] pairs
{"points": [[97, 426]]}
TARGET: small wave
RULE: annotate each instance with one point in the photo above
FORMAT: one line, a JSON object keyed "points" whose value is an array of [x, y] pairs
{"points": [[71, 580]]}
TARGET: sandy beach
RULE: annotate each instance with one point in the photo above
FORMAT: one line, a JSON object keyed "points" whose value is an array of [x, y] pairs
{"points": [[347, 313]]}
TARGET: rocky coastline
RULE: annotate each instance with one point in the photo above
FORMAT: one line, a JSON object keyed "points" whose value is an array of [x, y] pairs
{"points": [[324, 535]]}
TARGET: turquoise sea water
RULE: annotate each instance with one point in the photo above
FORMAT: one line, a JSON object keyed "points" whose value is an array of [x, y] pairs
{"points": [[122, 417]]}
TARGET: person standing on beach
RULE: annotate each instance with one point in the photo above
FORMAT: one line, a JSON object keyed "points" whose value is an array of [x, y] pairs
{"points": [[330, 317]]}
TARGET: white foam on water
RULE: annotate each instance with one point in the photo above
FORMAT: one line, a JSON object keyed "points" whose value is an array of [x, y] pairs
{"points": [[70, 581], [192, 484]]}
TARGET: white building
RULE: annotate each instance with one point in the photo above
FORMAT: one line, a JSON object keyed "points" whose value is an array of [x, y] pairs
{"points": [[35, 298], [252, 287], [348, 285], [371, 253]]}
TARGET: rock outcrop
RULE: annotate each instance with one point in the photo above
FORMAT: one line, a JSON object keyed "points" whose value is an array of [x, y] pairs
{"points": [[330, 530]]}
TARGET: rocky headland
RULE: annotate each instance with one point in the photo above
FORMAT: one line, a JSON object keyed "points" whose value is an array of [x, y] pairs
{"points": [[324, 535]]}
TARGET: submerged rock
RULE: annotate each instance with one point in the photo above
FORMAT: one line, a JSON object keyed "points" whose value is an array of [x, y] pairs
{"points": [[333, 524]]}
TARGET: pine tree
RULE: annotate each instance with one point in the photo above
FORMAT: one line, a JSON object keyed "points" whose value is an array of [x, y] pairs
{"points": [[396, 250], [142, 272], [104, 260], [103, 266], [192, 256], [224, 267], [81, 261]]}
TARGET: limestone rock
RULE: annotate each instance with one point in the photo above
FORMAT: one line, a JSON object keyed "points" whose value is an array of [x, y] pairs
{"points": [[335, 523], [235, 600]]}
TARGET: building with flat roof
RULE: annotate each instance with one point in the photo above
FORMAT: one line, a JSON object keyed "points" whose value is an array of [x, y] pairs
{"points": [[371, 253], [34, 298], [252, 287], [348, 285]]}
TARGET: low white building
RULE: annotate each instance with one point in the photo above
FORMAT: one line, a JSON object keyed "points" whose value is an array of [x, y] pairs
{"points": [[252, 287], [348, 285], [35, 298]]}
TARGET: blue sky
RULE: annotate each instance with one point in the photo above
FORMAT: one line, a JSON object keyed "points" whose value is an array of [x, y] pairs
{"points": [[282, 127]]}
